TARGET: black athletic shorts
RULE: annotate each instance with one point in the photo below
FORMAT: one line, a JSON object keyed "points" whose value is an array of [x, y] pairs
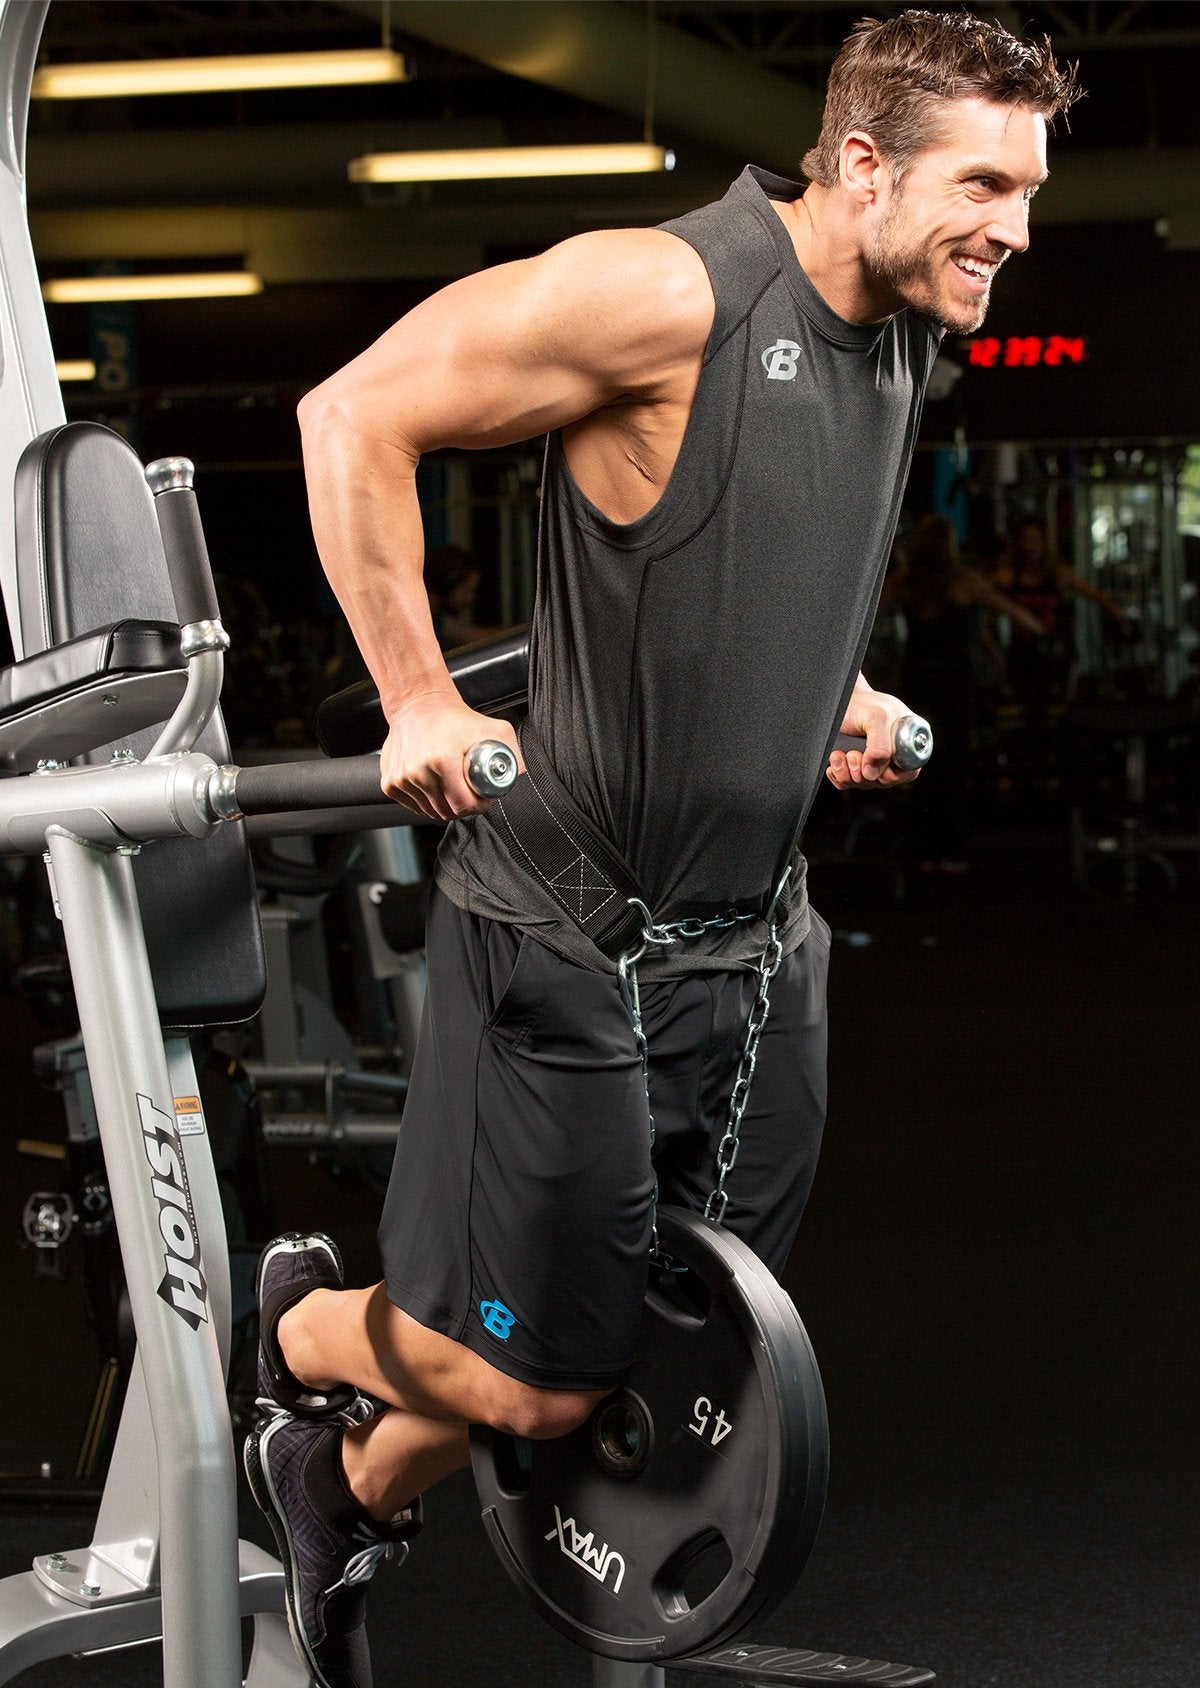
{"points": [[518, 1216]]}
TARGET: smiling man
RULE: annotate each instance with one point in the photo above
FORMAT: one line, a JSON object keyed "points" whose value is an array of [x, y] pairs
{"points": [[731, 403]]}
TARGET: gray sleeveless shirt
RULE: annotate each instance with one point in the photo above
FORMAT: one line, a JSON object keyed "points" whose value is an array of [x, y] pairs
{"points": [[689, 670]]}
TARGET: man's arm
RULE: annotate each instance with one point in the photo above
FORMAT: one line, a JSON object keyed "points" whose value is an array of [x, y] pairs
{"points": [[602, 323], [1069, 581]]}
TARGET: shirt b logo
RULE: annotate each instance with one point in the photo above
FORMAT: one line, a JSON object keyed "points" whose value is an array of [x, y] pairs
{"points": [[497, 1319], [779, 360]]}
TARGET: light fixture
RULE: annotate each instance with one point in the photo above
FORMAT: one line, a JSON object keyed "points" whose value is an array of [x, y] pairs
{"points": [[480, 163], [110, 289], [207, 76], [75, 369]]}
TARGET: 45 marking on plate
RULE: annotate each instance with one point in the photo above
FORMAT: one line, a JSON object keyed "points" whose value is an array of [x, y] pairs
{"points": [[709, 1428]]}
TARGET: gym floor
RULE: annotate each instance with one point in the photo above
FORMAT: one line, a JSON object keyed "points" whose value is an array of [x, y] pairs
{"points": [[998, 1272]]}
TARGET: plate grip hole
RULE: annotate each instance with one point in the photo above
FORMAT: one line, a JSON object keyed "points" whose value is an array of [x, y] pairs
{"points": [[513, 1457], [693, 1573]]}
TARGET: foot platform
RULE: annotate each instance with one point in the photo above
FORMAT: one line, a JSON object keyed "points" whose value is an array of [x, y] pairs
{"points": [[754, 1664]]}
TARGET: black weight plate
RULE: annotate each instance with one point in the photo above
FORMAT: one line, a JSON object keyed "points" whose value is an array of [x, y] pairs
{"points": [[690, 1501]]}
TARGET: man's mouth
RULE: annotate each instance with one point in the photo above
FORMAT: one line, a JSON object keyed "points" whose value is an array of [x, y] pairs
{"points": [[977, 272]]}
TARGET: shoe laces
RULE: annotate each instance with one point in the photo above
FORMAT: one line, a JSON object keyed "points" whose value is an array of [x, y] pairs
{"points": [[360, 1410], [362, 1566]]}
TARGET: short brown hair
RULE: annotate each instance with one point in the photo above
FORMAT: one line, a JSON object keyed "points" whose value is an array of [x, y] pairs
{"points": [[892, 78]]}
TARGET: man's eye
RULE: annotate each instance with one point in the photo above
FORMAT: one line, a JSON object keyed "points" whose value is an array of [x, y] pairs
{"points": [[987, 182]]}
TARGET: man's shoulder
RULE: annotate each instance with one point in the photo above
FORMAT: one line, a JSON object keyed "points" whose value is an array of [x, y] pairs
{"points": [[633, 282], [632, 259]]}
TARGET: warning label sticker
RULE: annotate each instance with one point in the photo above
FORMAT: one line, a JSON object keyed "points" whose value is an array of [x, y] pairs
{"points": [[189, 1116]]}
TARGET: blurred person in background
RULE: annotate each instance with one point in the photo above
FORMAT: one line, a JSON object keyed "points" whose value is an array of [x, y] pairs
{"points": [[951, 662], [1040, 664], [452, 578]]}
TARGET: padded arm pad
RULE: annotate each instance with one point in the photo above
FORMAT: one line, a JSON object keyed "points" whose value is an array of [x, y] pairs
{"points": [[123, 647], [492, 676], [104, 686]]}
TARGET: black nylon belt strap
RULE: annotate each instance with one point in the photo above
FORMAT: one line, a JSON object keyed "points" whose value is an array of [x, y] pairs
{"points": [[548, 834]]}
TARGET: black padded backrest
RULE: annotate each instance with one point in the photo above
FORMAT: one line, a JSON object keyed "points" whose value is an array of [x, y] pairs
{"points": [[89, 552]]}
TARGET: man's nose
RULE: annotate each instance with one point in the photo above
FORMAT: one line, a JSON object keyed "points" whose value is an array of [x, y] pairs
{"points": [[1009, 224]]}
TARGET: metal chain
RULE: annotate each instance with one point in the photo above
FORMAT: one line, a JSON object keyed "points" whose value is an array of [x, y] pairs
{"points": [[768, 965], [727, 1148], [627, 974], [692, 927]]}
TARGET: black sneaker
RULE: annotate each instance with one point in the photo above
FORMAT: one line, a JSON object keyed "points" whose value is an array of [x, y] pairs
{"points": [[291, 1267], [329, 1545]]}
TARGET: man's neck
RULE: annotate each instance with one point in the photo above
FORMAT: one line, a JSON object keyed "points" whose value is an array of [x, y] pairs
{"points": [[830, 255]]}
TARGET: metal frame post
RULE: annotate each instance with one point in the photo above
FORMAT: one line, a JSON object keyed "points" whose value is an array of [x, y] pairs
{"points": [[30, 396], [627, 1673], [165, 1559], [168, 1288]]}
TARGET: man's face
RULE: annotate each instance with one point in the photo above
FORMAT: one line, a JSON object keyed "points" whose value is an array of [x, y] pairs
{"points": [[960, 209]]}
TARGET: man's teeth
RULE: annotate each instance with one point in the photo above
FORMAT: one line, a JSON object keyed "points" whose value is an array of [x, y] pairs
{"points": [[976, 266]]}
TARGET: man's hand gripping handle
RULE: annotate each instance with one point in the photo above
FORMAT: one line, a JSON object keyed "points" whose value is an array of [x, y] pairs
{"points": [[912, 743]]}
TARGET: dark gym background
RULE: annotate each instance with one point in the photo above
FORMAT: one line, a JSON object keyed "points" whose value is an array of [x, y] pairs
{"points": [[998, 1268]]}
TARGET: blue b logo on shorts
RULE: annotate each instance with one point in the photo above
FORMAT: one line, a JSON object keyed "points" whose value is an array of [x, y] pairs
{"points": [[497, 1319]]}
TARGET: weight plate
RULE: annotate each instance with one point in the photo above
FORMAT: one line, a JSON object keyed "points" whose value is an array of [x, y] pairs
{"points": [[690, 1501]]}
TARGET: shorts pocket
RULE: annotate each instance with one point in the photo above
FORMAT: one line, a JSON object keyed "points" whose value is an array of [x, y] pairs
{"points": [[513, 993]]}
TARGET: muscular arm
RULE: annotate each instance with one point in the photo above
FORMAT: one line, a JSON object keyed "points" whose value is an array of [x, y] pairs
{"points": [[606, 332], [999, 603]]}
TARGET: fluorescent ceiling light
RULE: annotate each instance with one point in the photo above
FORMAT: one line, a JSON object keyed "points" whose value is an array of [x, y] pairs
{"points": [[207, 76], [106, 289], [479, 163], [75, 369]]}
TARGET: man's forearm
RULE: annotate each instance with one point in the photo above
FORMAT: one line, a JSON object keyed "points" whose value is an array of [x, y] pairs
{"points": [[366, 521]]}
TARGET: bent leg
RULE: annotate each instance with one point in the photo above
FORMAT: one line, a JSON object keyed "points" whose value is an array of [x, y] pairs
{"points": [[517, 1222], [400, 1454], [357, 1336], [515, 1235], [435, 1388]]}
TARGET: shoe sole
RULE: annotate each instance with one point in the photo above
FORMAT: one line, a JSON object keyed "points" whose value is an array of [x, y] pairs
{"points": [[286, 1244], [267, 1500]]}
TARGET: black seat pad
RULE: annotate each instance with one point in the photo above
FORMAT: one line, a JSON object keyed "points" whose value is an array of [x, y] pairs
{"points": [[89, 555]]}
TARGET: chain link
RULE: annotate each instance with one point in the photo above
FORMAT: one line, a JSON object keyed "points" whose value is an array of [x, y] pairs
{"points": [[727, 1149], [659, 935], [768, 965], [627, 975]]}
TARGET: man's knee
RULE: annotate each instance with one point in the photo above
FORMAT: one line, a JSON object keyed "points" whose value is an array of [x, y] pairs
{"points": [[522, 1409]]}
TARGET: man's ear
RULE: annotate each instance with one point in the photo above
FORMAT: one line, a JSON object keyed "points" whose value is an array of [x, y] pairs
{"points": [[861, 167]]}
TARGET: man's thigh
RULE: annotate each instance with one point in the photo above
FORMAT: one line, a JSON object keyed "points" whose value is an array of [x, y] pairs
{"points": [[518, 1216]]}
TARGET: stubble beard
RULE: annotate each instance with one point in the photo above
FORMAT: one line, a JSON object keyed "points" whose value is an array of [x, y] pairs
{"points": [[910, 271]]}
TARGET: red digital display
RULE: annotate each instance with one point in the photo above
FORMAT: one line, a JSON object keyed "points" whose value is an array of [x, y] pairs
{"points": [[1025, 351]]}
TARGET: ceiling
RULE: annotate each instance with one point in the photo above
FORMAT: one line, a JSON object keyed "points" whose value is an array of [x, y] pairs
{"points": [[261, 178]]}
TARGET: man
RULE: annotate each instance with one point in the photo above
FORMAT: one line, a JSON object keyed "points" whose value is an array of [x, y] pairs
{"points": [[731, 403]]}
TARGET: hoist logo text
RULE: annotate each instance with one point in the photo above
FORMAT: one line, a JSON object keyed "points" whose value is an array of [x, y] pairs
{"points": [[183, 1286]]}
